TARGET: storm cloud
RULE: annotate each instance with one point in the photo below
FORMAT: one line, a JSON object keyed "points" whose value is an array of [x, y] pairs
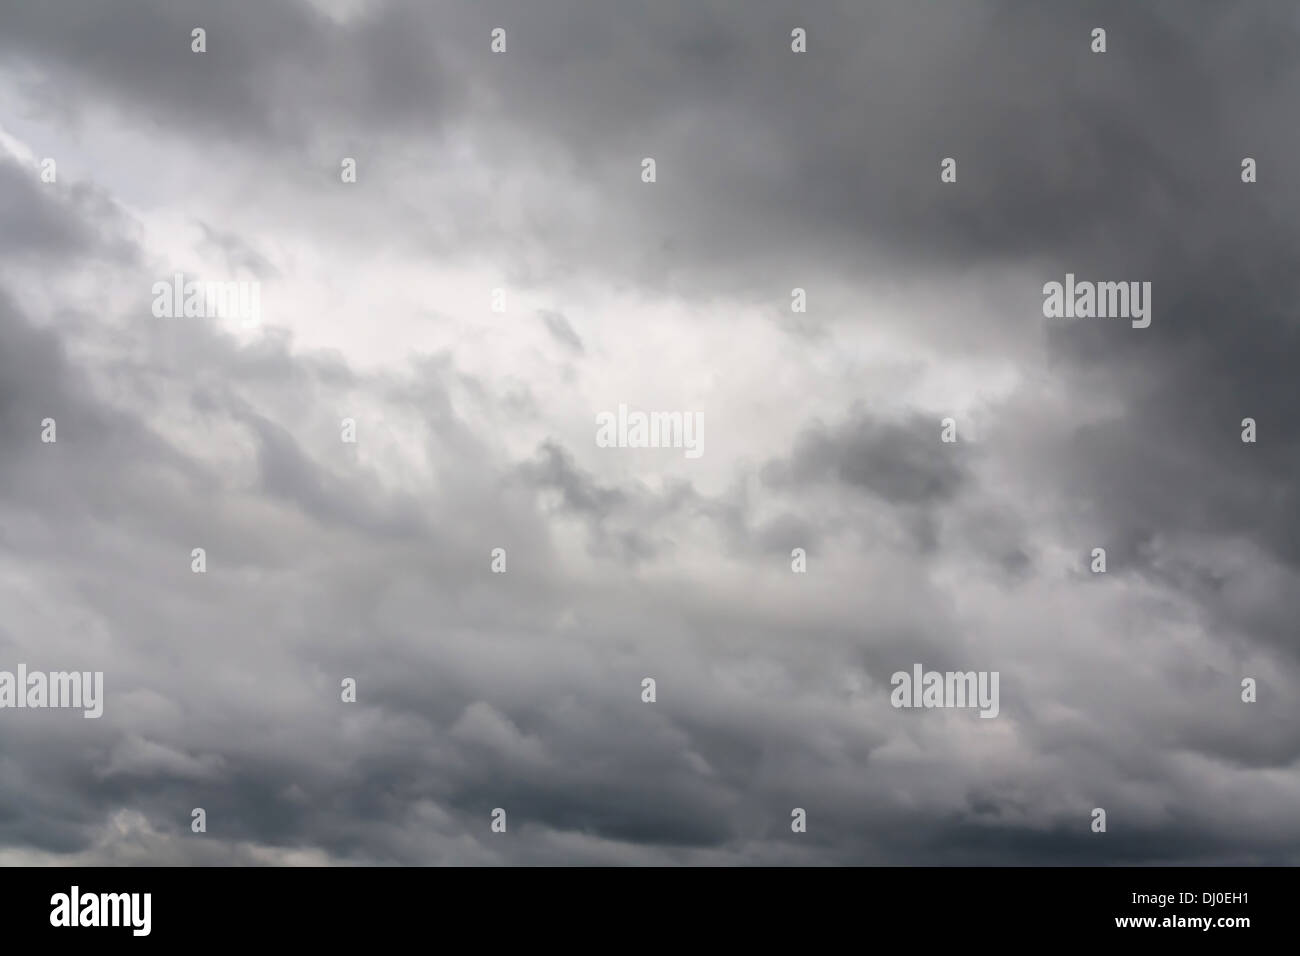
{"points": [[499, 275]]}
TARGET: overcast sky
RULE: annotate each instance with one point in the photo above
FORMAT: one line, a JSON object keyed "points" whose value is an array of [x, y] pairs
{"points": [[475, 430]]}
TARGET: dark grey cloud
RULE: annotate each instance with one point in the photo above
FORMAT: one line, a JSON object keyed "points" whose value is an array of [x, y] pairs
{"points": [[900, 461], [42, 220], [522, 690], [560, 328], [259, 80]]}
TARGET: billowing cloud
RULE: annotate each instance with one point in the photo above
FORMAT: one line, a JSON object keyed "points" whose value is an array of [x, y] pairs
{"points": [[438, 338]]}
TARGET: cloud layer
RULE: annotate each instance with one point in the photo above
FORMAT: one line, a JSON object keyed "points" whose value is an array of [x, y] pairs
{"points": [[521, 172]]}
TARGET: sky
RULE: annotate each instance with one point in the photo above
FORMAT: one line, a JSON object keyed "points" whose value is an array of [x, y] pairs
{"points": [[515, 179]]}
